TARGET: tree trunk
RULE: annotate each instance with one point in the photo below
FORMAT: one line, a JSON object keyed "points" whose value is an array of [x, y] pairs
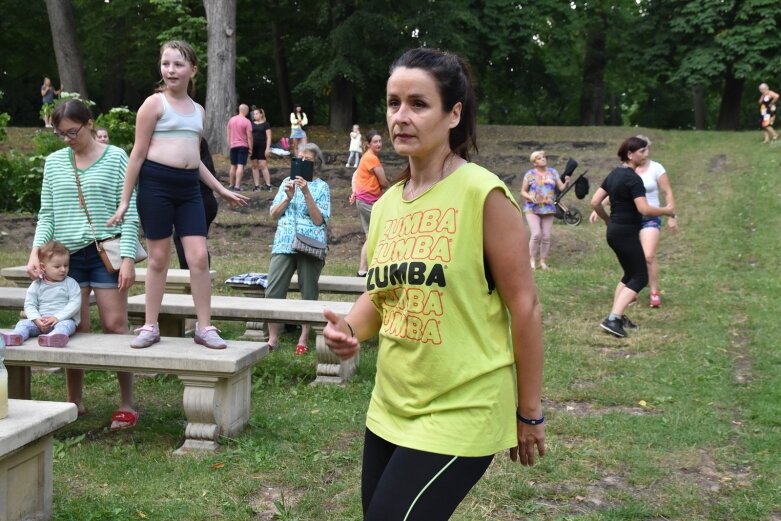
{"points": [[698, 99], [221, 97], [729, 112], [283, 78], [341, 104], [66, 47], [592, 98]]}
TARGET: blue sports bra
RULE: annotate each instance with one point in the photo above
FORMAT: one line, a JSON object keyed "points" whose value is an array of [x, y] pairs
{"points": [[174, 124]]}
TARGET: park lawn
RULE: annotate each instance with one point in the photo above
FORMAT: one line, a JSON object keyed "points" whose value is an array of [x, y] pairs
{"points": [[678, 421]]}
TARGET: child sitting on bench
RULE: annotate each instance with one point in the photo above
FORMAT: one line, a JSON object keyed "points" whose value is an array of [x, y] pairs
{"points": [[52, 302]]}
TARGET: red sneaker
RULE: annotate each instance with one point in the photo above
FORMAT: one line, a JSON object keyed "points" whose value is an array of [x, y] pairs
{"points": [[301, 350], [656, 300]]}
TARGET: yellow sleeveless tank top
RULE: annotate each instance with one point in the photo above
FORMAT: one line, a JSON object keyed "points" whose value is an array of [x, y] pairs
{"points": [[445, 377]]}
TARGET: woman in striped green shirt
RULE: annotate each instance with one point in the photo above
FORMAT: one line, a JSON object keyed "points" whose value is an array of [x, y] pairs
{"points": [[101, 170]]}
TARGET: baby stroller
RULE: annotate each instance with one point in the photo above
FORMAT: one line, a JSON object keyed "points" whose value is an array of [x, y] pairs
{"points": [[571, 215]]}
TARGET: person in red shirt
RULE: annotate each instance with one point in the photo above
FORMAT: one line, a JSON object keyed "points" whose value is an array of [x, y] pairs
{"points": [[240, 145]]}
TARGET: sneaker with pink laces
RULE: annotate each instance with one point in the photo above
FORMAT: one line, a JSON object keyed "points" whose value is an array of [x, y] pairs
{"points": [[656, 300], [209, 337], [148, 334]]}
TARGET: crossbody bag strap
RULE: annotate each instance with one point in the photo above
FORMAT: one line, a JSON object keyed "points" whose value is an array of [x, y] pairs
{"points": [[83, 201]]}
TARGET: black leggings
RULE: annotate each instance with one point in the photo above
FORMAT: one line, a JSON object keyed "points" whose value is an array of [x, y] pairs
{"points": [[400, 484], [624, 239]]}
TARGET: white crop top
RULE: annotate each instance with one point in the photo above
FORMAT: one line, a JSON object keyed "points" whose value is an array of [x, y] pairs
{"points": [[651, 182], [174, 124]]}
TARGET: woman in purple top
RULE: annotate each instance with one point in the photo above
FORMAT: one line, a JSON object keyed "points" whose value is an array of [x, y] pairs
{"points": [[538, 191]]}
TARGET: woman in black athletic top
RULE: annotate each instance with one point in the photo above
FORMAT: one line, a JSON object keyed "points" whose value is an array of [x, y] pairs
{"points": [[627, 207]]}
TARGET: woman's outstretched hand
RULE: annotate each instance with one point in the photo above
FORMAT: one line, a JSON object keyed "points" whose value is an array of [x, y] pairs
{"points": [[338, 338], [233, 198]]}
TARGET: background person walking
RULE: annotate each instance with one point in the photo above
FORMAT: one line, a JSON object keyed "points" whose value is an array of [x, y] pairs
{"points": [[767, 112]]}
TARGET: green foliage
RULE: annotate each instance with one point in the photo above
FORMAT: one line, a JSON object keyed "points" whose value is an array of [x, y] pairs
{"points": [[528, 57], [20, 182], [4, 119], [61, 448], [47, 142], [121, 125]]}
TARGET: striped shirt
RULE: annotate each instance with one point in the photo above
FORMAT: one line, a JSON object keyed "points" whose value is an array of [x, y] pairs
{"points": [[61, 216]]}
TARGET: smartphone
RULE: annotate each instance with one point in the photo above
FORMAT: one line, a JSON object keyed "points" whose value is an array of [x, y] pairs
{"points": [[301, 168]]}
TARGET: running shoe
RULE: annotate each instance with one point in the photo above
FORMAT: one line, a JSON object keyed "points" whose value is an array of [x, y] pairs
{"points": [[656, 300], [301, 350], [148, 334], [628, 324], [615, 326], [209, 337]]}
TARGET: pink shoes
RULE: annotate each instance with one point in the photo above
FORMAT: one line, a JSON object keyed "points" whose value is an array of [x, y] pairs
{"points": [[209, 337], [53, 340], [656, 300], [12, 339]]}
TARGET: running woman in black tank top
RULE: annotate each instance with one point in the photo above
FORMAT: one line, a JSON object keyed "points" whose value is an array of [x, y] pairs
{"points": [[627, 207]]}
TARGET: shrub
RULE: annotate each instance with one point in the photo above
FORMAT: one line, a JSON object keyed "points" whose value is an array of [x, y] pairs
{"points": [[46, 142], [4, 119], [121, 125], [20, 182]]}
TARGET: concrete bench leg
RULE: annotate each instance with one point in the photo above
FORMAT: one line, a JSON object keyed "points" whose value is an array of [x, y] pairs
{"points": [[171, 325], [26, 481], [214, 406], [256, 332], [19, 382], [330, 369]]}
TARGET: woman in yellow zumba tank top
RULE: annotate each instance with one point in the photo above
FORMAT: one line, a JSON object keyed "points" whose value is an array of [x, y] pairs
{"points": [[451, 294]]}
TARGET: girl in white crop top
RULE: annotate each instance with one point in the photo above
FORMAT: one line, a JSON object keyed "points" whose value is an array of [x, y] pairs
{"points": [[656, 181], [169, 125]]}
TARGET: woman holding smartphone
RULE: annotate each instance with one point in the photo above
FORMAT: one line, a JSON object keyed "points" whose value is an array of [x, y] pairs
{"points": [[304, 207]]}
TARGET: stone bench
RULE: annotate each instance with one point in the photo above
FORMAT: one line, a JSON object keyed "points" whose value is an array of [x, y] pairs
{"points": [[175, 309], [177, 281], [26, 449], [217, 383], [336, 284]]}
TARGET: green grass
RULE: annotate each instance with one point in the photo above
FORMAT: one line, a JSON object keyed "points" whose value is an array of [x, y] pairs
{"points": [[682, 420]]}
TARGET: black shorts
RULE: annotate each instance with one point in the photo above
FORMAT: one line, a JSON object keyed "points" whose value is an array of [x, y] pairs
{"points": [[169, 198], [239, 155], [259, 151]]}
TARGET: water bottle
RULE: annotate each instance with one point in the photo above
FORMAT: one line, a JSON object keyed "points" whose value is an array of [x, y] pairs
{"points": [[3, 382]]}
